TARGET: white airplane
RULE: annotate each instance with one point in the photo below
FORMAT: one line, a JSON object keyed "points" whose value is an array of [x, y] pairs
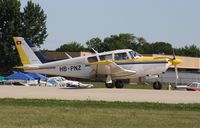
{"points": [[112, 66]]}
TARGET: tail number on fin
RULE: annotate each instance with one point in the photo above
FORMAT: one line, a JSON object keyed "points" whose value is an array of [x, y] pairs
{"points": [[70, 68]]}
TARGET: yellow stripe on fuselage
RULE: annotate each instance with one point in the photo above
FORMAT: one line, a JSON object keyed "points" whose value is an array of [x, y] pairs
{"points": [[140, 59], [22, 53], [149, 59], [143, 59]]}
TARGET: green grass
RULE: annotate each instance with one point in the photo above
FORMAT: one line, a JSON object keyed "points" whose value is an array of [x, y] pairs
{"points": [[33, 113]]}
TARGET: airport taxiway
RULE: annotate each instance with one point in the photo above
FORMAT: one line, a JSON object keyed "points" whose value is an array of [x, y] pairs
{"points": [[100, 94]]}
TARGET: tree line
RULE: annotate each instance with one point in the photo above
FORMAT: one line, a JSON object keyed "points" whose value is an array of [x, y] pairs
{"points": [[129, 41]]}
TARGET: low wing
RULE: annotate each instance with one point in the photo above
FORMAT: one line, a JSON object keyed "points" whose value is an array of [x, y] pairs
{"points": [[111, 68]]}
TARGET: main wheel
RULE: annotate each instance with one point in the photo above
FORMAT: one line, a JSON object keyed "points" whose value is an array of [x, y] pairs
{"points": [[157, 85], [109, 85], [119, 84]]}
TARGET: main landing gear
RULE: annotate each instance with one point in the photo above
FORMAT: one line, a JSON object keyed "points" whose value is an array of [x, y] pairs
{"points": [[117, 84], [157, 85]]}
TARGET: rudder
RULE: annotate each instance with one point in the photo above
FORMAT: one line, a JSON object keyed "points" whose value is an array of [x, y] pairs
{"points": [[37, 52]]}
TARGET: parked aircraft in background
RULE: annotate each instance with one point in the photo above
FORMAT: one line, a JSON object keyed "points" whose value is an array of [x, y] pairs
{"points": [[112, 66]]}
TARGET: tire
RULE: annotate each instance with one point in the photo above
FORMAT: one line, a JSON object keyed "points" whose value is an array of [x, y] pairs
{"points": [[109, 85], [119, 84], [157, 85]]}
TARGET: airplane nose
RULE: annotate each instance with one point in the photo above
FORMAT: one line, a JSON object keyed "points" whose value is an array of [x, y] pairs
{"points": [[175, 61]]}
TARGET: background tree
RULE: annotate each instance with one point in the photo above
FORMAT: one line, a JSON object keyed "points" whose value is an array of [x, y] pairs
{"points": [[34, 23], [191, 50], [127, 39], [121, 41], [142, 46], [71, 47], [162, 48], [30, 23], [179, 51], [111, 43], [96, 44], [9, 26]]}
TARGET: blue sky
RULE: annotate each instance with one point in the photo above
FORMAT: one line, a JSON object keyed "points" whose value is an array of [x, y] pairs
{"points": [[173, 21]]}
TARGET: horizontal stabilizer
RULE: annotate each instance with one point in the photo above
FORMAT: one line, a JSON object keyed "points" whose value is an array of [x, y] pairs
{"points": [[26, 67]]}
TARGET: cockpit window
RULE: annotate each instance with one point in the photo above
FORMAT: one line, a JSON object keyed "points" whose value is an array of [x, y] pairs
{"points": [[106, 57], [92, 59], [194, 85], [121, 56], [134, 54]]}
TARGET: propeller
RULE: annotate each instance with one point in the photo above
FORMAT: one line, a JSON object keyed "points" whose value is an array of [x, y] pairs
{"points": [[176, 71], [175, 62], [174, 57]]}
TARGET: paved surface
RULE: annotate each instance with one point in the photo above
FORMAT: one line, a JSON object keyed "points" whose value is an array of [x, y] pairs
{"points": [[104, 94]]}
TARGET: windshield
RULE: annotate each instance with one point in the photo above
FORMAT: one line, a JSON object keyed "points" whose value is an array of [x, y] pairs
{"points": [[134, 54]]}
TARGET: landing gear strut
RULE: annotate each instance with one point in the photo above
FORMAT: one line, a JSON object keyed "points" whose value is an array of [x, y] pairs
{"points": [[109, 83], [157, 85]]}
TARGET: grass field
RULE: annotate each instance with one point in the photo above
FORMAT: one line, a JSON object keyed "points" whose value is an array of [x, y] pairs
{"points": [[26, 113]]}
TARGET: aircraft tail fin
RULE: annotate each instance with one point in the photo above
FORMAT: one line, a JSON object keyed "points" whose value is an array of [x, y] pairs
{"points": [[28, 53], [37, 52]]}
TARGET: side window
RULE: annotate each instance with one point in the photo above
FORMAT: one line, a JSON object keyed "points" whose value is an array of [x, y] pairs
{"points": [[92, 59], [106, 57], [121, 56], [194, 85]]}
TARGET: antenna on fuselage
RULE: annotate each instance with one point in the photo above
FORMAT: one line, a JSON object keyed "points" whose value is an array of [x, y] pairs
{"points": [[94, 50], [68, 55]]}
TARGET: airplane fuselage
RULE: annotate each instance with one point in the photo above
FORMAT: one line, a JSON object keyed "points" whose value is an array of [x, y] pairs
{"points": [[82, 67]]}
